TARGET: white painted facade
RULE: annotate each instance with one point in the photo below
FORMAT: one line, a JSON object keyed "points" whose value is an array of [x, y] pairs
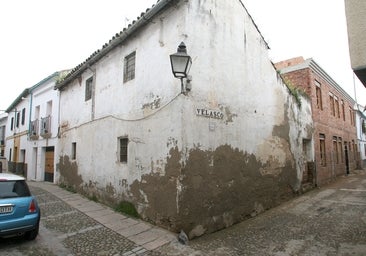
{"points": [[16, 133], [44, 101], [231, 75]]}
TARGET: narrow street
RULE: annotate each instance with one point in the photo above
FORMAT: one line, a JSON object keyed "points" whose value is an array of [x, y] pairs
{"points": [[326, 221]]}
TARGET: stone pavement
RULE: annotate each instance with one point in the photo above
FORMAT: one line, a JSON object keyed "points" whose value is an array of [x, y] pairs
{"points": [[77, 215], [330, 220]]}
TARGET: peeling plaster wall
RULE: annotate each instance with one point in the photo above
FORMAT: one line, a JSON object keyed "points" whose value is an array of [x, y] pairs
{"points": [[186, 170]]}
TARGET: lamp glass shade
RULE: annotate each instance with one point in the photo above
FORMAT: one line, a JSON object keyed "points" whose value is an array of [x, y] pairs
{"points": [[181, 65], [181, 62]]}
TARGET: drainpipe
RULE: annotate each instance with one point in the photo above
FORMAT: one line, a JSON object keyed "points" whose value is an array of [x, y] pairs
{"points": [[30, 114]]}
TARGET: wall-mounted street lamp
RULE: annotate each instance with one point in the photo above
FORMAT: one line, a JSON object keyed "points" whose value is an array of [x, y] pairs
{"points": [[181, 64]]}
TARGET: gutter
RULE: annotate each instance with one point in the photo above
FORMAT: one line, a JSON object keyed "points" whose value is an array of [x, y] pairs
{"points": [[114, 42]]}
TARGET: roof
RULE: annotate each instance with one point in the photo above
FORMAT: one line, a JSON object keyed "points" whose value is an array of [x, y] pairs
{"points": [[24, 94], [123, 35], [310, 63], [116, 40], [10, 176], [28, 91]]}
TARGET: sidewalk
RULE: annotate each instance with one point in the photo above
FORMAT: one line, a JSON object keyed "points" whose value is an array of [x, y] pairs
{"points": [[139, 232]]}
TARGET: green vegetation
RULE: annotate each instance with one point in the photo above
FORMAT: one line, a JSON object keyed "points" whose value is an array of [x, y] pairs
{"points": [[127, 208], [295, 91], [67, 187]]}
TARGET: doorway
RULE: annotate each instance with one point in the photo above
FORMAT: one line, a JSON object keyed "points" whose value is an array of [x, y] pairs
{"points": [[49, 164]]}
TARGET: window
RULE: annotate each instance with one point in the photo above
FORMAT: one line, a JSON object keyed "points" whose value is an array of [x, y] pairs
{"points": [[352, 117], [335, 149], [343, 112], [73, 151], [129, 67], [340, 149], [336, 103], [331, 101], [17, 119], [319, 103], [364, 146], [322, 150], [123, 149], [88, 88], [12, 124], [23, 116]]}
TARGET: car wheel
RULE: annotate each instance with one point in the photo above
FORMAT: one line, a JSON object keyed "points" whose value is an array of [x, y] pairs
{"points": [[31, 235]]}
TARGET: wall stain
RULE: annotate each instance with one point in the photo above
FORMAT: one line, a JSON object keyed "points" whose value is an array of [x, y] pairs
{"points": [[161, 193], [210, 196], [69, 172]]}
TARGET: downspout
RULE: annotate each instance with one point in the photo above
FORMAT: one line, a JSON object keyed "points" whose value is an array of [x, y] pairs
{"points": [[30, 114]]}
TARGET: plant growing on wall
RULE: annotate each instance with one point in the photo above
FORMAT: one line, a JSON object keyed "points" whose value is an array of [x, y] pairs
{"points": [[61, 76], [294, 91]]}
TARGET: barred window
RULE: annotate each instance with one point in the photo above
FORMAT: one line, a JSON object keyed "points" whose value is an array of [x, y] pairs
{"points": [[129, 67], [88, 88], [123, 149]]}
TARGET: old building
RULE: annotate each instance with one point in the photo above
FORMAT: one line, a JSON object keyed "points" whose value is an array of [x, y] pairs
{"points": [[356, 26], [335, 138], [196, 156], [3, 121], [32, 130], [43, 129], [16, 133]]}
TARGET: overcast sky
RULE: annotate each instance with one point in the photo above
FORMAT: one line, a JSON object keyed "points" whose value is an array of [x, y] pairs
{"points": [[39, 37]]}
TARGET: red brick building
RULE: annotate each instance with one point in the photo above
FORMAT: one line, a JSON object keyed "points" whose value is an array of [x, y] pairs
{"points": [[335, 137]]}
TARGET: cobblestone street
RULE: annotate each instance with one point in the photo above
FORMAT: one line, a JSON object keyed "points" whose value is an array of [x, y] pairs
{"points": [[326, 221], [66, 230]]}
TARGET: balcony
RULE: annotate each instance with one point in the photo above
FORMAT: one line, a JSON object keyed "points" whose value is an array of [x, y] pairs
{"points": [[34, 128], [46, 127]]}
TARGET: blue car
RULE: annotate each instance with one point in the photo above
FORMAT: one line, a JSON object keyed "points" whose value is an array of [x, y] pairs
{"points": [[19, 210]]}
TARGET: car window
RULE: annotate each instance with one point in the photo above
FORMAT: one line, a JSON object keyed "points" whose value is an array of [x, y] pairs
{"points": [[13, 188]]}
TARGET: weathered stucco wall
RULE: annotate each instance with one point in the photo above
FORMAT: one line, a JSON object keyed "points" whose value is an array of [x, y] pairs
{"points": [[187, 170]]}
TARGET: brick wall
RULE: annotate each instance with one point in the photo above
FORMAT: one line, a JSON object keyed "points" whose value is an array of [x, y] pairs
{"points": [[339, 133]]}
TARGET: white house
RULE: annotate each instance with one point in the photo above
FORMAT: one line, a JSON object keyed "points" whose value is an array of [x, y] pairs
{"points": [[3, 121], [43, 129], [16, 134], [231, 145]]}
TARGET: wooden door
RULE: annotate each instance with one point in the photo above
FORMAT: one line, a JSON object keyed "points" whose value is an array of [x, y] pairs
{"points": [[49, 164]]}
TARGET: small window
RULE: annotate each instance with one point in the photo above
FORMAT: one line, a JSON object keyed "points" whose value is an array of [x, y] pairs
{"points": [[323, 161], [12, 124], [336, 104], [23, 116], [123, 150], [343, 111], [129, 67], [88, 88], [340, 149], [319, 103], [18, 119], [331, 101], [73, 151], [352, 115], [335, 149]]}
